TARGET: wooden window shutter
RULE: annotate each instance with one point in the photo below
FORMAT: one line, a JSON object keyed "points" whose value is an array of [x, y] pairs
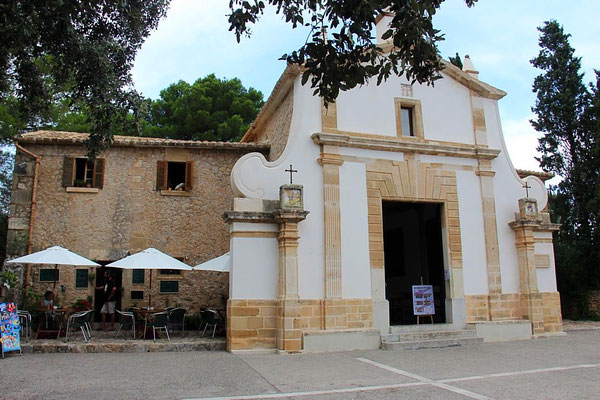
{"points": [[68, 170], [189, 175], [98, 181], [161, 175]]}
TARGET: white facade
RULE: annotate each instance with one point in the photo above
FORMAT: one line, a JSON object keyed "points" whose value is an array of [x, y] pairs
{"points": [[459, 120]]}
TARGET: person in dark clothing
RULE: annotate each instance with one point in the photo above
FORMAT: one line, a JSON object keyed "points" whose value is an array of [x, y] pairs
{"points": [[110, 299]]}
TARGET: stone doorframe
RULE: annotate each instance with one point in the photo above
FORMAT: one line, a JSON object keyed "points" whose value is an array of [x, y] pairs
{"points": [[413, 181]]}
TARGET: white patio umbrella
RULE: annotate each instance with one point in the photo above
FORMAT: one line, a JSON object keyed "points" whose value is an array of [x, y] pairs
{"points": [[219, 264], [55, 255], [150, 259]]}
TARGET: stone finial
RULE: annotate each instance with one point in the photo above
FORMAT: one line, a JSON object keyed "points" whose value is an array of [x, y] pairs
{"points": [[469, 68]]}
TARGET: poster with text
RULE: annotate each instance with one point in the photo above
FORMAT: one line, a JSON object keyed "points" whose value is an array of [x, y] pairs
{"points": [[9, 327], [423, 300]]}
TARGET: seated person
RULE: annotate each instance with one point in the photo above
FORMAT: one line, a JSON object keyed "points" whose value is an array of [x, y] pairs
{"points": [[48, 301]]}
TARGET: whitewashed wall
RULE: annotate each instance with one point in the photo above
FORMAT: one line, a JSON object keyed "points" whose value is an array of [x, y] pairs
{"points": [[370, 109]]}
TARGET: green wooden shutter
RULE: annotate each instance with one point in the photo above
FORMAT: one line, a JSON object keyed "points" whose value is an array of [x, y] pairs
{"points": [[68, 171], [81, 278], [137, 276], [49, 275], [169, 286]]}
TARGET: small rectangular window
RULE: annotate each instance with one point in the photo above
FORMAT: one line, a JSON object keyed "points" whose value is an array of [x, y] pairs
{"points": [[137, 295], [174, 175], [170, 272], [137, 276], [81, 278], [83, 172], [406, 115], [48, 275], [169, 286]]}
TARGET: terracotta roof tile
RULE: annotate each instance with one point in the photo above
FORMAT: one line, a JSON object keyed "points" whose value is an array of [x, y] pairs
{"points": [[75, 138]]}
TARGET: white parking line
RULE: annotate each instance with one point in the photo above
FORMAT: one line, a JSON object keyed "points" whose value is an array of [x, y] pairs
{"points": [[428, 381], [314, 393], [514, 373], [421, 381]]}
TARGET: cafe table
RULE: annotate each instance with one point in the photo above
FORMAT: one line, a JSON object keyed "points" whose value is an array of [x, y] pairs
{"points": [[145, 313], [62, 313]]}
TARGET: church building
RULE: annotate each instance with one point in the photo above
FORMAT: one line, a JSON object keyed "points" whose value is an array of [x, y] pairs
{"points": [[390, 187]]}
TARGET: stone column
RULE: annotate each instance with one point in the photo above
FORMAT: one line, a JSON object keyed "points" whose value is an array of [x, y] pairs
{"points": [[495, 301], [289, 332], [531, 300], [330, 161]]}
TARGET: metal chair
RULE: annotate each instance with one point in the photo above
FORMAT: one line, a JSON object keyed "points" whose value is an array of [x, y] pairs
{"points": [[89, 322], [209, 319], [77, 320], [177, 318], [126, 321], [25, 321], [159, 321]]}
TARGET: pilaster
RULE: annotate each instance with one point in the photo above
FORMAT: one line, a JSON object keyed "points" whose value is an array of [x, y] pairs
{"points": [[488, 203], [530, 299], [289, 329], [331, 162]]}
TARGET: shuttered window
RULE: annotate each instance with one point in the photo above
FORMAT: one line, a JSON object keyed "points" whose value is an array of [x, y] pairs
{"points": [[137, 276], [81, 278], [174, 175], [137, 295], [48, 275], [82, 172], [169, 286]]}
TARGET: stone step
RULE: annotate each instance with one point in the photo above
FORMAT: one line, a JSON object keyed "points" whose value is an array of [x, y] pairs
{"points": [[425, 327], [431, 344], [429, 335], [122, 346]]}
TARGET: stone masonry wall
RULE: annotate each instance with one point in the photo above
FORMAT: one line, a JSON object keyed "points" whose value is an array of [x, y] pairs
{"points": [[277, 129], [129, 215], [253, 323]]}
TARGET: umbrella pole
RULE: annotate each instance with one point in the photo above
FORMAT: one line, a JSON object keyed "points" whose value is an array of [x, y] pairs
{"points": [[54, 287], [150, 294]]}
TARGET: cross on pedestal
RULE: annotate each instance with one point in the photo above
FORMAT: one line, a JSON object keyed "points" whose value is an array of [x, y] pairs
{"points": [[291, 171], [527, 187]]}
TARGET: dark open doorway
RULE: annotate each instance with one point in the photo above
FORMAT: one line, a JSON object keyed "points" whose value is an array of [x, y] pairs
{"points": [[412, 237], [117, 275]]}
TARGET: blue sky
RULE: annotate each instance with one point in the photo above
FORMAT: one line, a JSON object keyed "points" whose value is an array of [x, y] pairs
{"points": [[500, 36]]}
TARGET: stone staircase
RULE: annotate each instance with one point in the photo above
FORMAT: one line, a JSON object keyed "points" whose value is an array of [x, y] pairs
{"points": [[412, 337]]}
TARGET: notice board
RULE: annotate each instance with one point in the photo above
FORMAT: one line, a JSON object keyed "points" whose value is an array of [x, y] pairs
{"points": [[423, 300]]}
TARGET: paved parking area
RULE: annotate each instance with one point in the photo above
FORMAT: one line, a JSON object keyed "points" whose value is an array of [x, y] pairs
{"points": [[558, 367]]}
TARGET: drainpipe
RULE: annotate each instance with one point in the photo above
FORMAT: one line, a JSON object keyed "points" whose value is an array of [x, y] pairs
{"points": [[33, 208]]}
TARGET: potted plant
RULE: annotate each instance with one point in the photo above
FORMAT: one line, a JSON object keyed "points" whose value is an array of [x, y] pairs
{"points": [[8, 280], [82, 304]]}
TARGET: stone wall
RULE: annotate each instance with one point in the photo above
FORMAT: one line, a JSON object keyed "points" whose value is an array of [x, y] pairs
{"points": [[277, 128], [128, 215], [253, 323]]}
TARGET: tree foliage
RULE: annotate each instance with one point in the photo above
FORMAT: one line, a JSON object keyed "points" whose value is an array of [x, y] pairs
{"points": [[348, 57], [208, 109], [568, 114], [456, 61], [80, 51]]}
